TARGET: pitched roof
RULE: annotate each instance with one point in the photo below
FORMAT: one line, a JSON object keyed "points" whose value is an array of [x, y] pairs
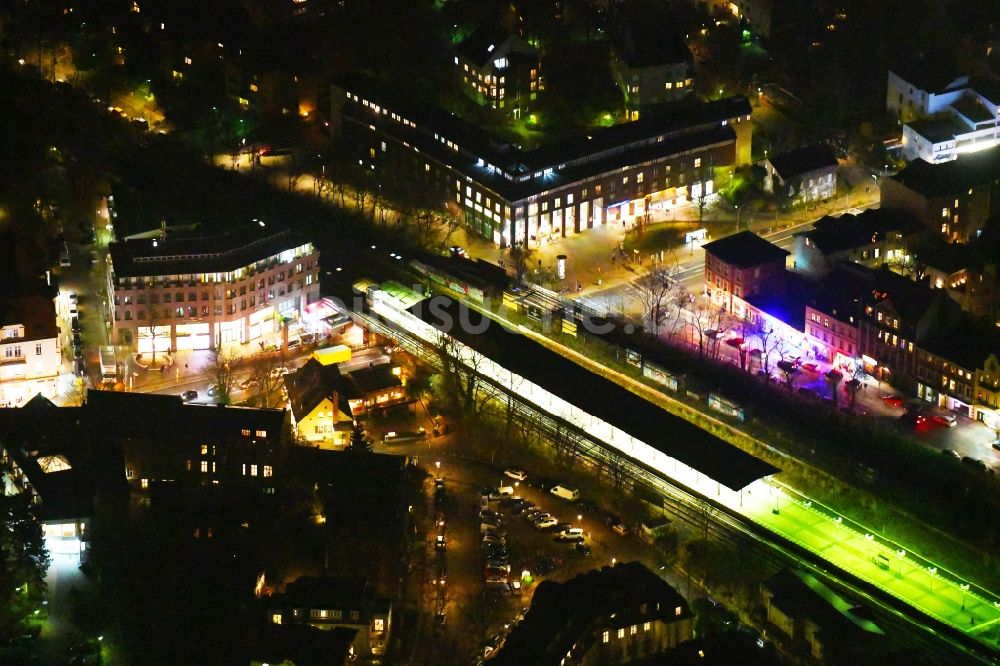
{"points": [[483, 42], [745, 250], [835, 234], [329, 589], [646, 44], [375, 378], [803, 160], [314, 382], [564, 615]]}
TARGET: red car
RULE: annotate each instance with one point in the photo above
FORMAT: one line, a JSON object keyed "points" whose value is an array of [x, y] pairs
{"points": [[894, 400], [811, 367]]}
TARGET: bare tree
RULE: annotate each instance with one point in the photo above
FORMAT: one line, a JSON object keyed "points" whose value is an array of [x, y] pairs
{"points": [[223, 364], [706, 320], [153, 328], [658, 291], [770, 342], [264, 373]]}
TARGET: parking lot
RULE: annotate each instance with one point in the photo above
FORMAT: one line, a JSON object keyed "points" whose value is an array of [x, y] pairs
{"points": [[465, 612]]}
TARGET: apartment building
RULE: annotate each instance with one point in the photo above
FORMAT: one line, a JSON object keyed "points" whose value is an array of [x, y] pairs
{"points": [[651, 68], [802, 176], [185, 290], [508, 195], [740, 266], [500, 70], [613, 615], [954, 199], [30, 356], [915, 90]]}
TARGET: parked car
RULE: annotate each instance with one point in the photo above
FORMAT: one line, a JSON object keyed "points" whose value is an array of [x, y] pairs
{"points": [[501, 492], [947, 420], [247, 383], [582, 548], [587, 507], [516, 473], [570, 533], [510, 500], [541, 515], [214, 390], [189, 395], [489, 513], [543, 483], [976, 463], [950, 453], [494, 540], [546, 523], [565, 493]]}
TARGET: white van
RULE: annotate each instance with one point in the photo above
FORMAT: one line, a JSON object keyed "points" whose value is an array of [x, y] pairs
{"points": [[565, 493]]}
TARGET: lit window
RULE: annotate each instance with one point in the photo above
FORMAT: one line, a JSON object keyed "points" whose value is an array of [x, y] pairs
{"points": [[677, 611], [262, 433], [379, 624], [253, 87], [697, 162], [944, 212], [606, 637], [204, 449], [268, 470], [645, 626], [253, 470], [245, 432], [276, 618], [144, 483], [621, 633], [204, 466], [633, 630]]}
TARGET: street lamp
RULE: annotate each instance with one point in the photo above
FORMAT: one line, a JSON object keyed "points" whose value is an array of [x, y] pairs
{"points": [[737, 218], [965, 588]]}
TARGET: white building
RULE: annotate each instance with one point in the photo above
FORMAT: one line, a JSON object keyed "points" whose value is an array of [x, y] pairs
{"points": [[29, 349], [944, 119]]}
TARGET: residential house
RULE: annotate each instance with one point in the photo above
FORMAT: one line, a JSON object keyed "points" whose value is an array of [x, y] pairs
{"points": [[871, 238], [30, 353], [301, 645], [509, 194], [332, 603], [613, 615], [325, 402], [755, 15], [954, 199], [802, 176], [187, 290], [500, 69], [816, 623], [739, 266], [319, 401], [970, 272], [987, 405], [899, 314], [652, 68]]}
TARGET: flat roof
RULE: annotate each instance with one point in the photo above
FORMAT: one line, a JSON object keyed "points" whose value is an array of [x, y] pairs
{"points": [[939, 128], [201, 252], [600, 397], [948, 178]]}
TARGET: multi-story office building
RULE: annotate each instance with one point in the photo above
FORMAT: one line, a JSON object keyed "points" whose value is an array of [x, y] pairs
{"points": [[180, 292], [29, 349], [499, 69], [512, 195]]}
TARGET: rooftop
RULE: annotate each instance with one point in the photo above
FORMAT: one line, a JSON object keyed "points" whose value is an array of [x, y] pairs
{"points": [[311, 384], [942, 127], [564, 615], [803, 160], [970, 106], [35, 312], [329, 590], [201, 251], [950, 178], [646, 44], [483, 42], [798, 594], [599, 396], [934, 76], [836, 234], [745, 250]]}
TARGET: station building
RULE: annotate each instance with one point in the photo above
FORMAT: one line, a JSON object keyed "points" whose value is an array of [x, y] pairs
{"points": [[509, 194]]}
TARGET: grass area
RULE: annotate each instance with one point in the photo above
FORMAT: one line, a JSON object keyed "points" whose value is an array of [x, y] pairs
{"points": [[660, 236]]}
